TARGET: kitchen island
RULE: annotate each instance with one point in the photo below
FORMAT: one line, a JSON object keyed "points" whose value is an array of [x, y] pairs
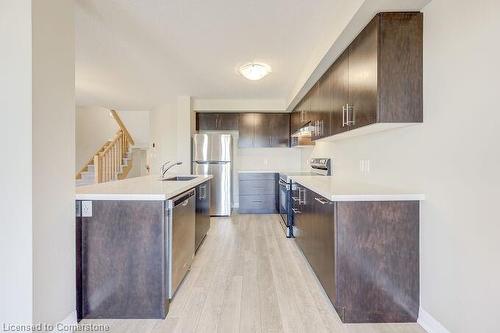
{"points": [[134, 245]]}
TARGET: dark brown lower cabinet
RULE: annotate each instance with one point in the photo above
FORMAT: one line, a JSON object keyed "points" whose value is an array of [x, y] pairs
{"points": [[258, 193], [202, 222], [122, 260], [365, 255]]}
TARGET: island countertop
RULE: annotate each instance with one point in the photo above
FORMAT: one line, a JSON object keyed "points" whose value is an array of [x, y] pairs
{"points": [[147, 188], [335, 189]]}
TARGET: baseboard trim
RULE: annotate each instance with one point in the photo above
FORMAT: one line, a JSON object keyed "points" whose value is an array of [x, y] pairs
{"points": [[67, 324], [429, 323]]}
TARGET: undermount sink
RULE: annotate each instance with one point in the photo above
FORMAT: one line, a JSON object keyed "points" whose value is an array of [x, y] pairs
{"points": [[179, 178]]}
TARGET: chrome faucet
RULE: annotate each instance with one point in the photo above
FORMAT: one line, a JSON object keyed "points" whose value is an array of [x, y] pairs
{"points": [[164, 170]]}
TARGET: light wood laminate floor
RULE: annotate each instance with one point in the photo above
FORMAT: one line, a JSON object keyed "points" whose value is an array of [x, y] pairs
{"points": [[247, 277]]}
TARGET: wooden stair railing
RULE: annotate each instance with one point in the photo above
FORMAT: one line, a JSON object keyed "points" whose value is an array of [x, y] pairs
{"points": [[108, 160], [122, 126]]}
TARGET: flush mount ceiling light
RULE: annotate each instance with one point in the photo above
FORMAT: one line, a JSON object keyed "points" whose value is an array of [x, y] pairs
{"points": [[255, 71]]}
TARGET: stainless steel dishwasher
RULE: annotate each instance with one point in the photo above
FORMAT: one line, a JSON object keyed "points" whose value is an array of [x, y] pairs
{"points": [[181, 229]]}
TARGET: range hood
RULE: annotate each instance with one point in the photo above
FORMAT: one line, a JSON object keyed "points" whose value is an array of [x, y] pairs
{"points": [[306, 130], [303, 136]]}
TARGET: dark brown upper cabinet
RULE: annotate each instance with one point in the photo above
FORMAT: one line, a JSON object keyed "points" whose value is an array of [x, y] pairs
{"points": [[279, 127], [247, 130], [301, 114], [313, 113], [295, 121], [339, 82], [377, 79], [217, 121], [321, 119], [264, 130], [361, 108]]}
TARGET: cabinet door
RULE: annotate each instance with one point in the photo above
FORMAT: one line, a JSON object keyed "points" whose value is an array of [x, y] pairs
{"points": [[206, 121], [298, 216], [339, 81], [262, 130], [228, 121], [279, 128], [305, 115], [313, 115], [202, 221], [363, 76], [247, 130], [308, 226], [324, 108], [324, 256], [295, 121]]}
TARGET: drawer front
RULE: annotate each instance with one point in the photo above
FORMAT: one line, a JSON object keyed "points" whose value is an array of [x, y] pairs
{"points": [[257, 204], [254, 187], [258, 176]]}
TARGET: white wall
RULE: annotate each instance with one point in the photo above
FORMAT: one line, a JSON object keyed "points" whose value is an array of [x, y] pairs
{"points": [[139, 163], [163, 122], [453, 158], [279, 159], [37, 193], [137, 123], [53, 161], [171, 128], [184, 131], [15, 169], [95, 126]]}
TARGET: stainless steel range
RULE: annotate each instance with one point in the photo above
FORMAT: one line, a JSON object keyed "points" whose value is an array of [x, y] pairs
{"points": [[319, 167]]}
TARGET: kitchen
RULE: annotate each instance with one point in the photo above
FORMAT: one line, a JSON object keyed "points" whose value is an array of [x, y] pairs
{"points": [[335, 175], [356, 237]]}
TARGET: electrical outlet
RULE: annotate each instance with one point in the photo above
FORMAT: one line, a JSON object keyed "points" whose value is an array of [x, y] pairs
{"points": [[364, 167], [86, 208]]}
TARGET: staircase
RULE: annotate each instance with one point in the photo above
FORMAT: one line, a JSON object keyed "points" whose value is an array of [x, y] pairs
{"points": [[112, 161]]}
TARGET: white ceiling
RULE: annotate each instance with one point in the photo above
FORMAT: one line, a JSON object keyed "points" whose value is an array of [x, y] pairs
{"points": [[137, 54]]}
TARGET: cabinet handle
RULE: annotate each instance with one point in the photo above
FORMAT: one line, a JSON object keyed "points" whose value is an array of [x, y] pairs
{"points": [[302, 201], [321, 201], [343, 116], [348, 110], [347, 122], [204, 195], [296, 211]]}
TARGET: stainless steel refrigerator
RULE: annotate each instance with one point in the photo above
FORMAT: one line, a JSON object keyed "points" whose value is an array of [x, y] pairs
{"points": [[212, 155]]}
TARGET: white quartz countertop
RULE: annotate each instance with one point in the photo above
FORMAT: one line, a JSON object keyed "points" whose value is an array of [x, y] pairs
{"points": [[139, 188], [266, 171], [335, 189]]}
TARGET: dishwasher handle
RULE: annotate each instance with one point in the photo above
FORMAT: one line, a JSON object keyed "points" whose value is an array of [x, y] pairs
{"points": [[183, 199]]}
